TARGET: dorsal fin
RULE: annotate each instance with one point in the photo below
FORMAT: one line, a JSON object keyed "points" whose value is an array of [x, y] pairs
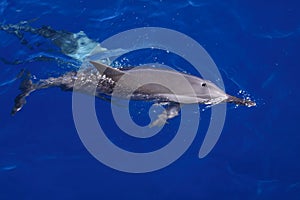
{"points": [[108, 70]]}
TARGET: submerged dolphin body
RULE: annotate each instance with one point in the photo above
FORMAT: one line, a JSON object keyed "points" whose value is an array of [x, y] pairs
{"points": [[108, 81], [75, 45]]}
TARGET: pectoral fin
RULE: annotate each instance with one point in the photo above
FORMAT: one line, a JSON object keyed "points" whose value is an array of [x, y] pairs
{"points": [[170, 112]]}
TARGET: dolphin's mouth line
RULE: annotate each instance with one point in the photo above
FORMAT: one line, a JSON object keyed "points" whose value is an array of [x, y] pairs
{"points": [[238, 101], [214, 101]]}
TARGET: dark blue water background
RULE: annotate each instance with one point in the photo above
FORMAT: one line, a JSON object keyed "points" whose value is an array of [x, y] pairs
{"points": [[255, 45]]}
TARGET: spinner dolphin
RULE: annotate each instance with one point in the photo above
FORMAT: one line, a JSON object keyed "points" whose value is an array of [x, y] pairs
{"points": [[108, 82]]}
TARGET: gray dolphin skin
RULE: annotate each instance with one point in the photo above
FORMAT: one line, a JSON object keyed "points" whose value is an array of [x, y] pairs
{"points": [[203, 91], [109, 81]]}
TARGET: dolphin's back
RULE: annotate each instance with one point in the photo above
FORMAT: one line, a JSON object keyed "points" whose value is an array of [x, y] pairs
{"points": [[155, 83]]}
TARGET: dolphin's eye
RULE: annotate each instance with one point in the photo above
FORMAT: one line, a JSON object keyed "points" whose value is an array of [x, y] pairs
{"points": [[203, 84]]}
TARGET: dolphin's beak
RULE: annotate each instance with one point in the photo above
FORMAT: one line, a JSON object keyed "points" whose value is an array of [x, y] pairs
{"points": [[245, 102]]}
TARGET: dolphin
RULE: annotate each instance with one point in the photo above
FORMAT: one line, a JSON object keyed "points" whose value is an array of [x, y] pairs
{"points": [[75, 45], [128, 84]]}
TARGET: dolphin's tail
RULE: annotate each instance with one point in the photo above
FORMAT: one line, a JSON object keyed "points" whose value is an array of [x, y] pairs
{"points": [[26, 88]]}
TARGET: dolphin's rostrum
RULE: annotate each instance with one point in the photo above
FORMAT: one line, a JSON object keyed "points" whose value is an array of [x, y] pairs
{"points": [[107, 80]]}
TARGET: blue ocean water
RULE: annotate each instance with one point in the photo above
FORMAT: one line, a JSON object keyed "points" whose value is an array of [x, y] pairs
{"points": [[253, 43]]}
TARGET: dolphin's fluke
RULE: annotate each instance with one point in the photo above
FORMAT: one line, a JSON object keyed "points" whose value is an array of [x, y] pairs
{"points": [[26, 88]]}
